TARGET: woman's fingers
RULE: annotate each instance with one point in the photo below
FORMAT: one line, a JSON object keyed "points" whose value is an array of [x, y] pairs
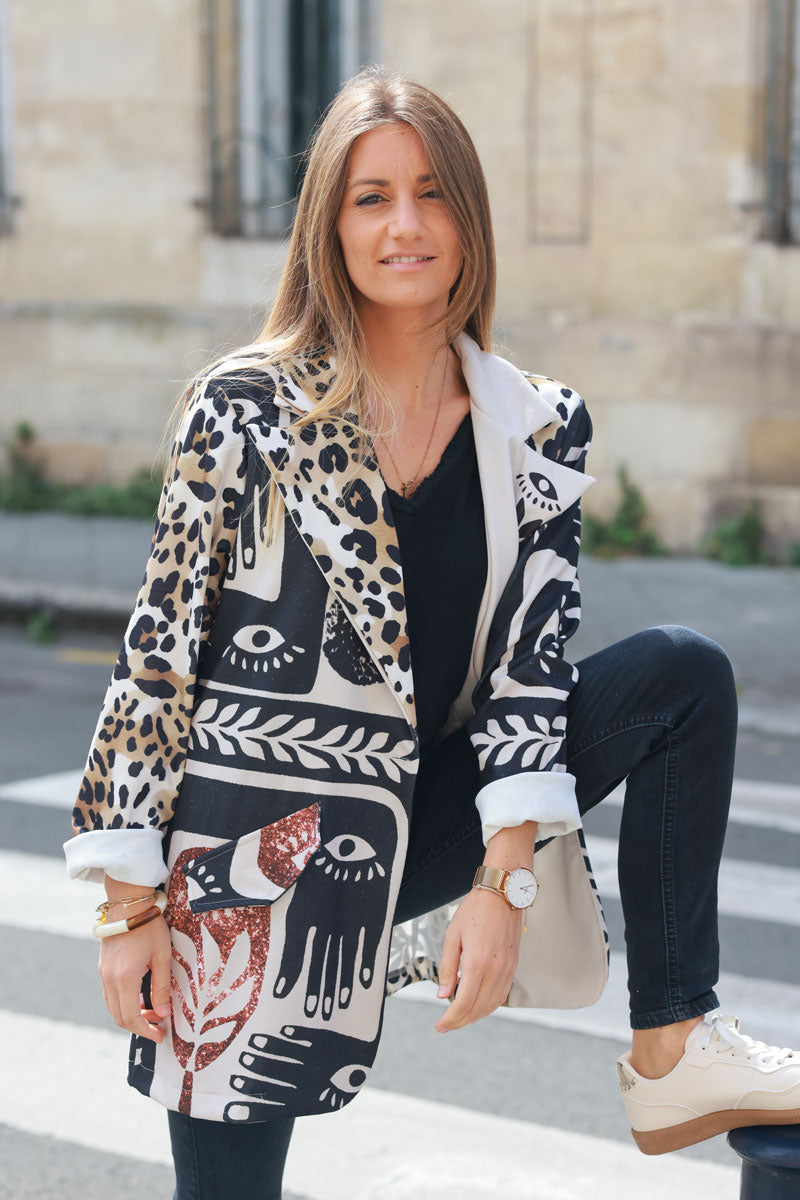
{"points": [[161, 974], [133, 1017], [124, 961], [111, 998], [448, 964], [485, 938]]}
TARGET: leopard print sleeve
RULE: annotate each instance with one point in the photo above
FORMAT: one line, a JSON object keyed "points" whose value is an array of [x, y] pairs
{"points": [[136, 759]]}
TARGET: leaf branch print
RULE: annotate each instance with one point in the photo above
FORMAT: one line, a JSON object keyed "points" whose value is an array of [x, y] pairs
{"points": [[291, 739], [541, 742], [218, 963]]}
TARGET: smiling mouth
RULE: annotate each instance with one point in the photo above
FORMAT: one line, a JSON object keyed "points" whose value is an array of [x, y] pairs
{"points": [[408, 258]]}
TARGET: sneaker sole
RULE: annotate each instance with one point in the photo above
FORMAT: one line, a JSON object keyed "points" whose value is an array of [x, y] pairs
{"points": [[675, 1137]]}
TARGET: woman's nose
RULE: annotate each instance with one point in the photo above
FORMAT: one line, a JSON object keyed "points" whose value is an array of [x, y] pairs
{"points": [[405, 218]]}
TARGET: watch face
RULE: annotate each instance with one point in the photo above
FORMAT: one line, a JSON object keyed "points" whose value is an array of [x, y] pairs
{"points": [[521, 887]]}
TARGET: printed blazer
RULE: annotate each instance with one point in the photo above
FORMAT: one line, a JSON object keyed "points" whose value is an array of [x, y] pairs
{"points": [[258, 735]]}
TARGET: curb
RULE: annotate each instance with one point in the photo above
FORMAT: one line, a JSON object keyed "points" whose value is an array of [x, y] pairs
{"points": [[103, 609]]}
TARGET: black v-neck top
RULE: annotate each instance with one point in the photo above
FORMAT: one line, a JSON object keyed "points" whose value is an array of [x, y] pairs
{"points": [[442, 540]]}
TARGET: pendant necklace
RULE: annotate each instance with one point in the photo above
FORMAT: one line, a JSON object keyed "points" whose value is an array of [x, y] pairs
{"points": [[404, 486]]}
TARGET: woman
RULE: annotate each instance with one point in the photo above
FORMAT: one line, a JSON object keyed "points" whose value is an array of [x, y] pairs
{"points": [[367, 489]]}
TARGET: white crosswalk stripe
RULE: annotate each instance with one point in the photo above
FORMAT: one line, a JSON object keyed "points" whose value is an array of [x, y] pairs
{"points": [[393, 1145], [770, 805], [382, 1144], [758, 891], [766, 1008]]}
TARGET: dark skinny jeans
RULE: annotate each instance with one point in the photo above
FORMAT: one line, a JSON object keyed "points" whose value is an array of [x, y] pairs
{"points": [[657, 709]]}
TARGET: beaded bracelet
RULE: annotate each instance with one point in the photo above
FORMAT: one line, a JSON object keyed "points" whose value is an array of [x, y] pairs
{"points": [[101, 929]]}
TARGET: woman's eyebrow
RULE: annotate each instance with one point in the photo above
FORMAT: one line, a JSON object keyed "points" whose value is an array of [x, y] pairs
{"points": [[385, 182]]}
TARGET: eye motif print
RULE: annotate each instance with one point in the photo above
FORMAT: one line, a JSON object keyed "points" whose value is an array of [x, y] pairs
{"points": [[338, 909], [269, 643], [277, 1067], [254, 869], [539, 492], [260, 648]]}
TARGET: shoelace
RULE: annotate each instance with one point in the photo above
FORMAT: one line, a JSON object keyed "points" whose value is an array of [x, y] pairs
{"points": [[726, 1029]]}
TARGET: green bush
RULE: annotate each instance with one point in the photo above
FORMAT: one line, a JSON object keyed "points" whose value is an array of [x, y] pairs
{"points": [[625, 533], [737, 541], [42, 627], [24, 488], [793, 557]]}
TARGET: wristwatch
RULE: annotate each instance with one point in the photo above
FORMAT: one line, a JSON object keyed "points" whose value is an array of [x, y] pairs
{"points": [[518, 887]]}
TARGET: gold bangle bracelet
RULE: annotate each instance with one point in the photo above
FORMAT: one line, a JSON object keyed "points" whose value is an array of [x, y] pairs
{"points": [[124, 903], [104, 929]]}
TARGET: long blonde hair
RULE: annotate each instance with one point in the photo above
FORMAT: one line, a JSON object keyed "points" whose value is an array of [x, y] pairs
{"points": [[313, 311]]}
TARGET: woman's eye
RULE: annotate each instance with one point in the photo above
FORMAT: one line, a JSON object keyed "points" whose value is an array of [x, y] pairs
{"points": [[349, 848], [433, 194], [368, 201]]}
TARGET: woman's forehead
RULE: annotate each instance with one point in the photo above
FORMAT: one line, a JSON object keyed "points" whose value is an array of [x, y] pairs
{"points": [[391, 148]]}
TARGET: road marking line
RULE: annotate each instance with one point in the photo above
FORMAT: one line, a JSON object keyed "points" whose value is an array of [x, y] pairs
{"points": [[59, 1077], [53, 903], [756, 890], [57, 905], [58, 790], [766, 1008], [75, 654], [767, 805]]}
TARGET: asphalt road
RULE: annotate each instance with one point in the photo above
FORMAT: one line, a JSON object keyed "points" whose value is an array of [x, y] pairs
{"points": [[548, 1076]]}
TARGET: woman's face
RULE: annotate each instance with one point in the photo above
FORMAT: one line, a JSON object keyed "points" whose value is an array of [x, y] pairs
{"points": [[400, 245]]}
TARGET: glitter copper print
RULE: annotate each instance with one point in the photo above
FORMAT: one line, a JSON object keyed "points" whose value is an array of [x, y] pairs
{"points": [[219, 956]]}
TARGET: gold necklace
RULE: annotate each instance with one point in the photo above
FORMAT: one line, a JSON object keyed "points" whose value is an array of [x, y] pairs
{"points": [[404, 486]]}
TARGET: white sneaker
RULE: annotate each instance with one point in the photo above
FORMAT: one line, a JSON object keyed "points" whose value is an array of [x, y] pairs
{"points": [[725, 1079]]}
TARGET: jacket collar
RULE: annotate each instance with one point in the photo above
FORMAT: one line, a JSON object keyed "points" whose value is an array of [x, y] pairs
{"points": [[352, 534], [500, 392]]}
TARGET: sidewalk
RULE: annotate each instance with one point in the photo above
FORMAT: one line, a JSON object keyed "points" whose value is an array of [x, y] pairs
{"points": [[88, 569]]}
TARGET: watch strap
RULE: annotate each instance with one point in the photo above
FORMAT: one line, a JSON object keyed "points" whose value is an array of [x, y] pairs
{"points": [[492, 878]]}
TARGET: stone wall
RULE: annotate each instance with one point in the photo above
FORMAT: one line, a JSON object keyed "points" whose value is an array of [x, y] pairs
{"points": [[622, 141]]}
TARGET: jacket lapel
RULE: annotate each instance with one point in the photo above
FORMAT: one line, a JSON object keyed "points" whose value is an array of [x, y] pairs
{"points": [[349, 530], [519, 484]]}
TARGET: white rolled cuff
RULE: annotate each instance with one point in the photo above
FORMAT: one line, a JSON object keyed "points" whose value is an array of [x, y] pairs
{"points": [[544, 796], [129, 855]]}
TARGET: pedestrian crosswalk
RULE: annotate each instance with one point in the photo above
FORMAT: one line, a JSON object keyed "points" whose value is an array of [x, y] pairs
{"points": [[60, 1071]]}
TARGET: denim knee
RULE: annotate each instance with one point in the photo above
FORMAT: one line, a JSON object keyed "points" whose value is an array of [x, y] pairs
{"points": [[696, 663]]}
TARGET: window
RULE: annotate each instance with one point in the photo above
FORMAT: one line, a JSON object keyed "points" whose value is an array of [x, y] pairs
{"points": [[6, 198], [559, 104], [274, 65], [782, 122]]}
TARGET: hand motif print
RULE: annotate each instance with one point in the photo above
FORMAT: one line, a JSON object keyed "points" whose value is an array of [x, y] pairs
{"points": [[327, 1067], [337, 913]]}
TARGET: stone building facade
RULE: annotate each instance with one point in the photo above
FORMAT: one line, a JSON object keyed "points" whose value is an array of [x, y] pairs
{"points": [[643, 159]]}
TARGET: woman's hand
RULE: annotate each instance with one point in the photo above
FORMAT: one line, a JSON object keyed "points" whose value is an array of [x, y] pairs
{"points": [[125, 958], [484, 935]]}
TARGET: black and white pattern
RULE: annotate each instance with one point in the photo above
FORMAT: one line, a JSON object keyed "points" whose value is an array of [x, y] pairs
{"points": [[262, 717]]}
